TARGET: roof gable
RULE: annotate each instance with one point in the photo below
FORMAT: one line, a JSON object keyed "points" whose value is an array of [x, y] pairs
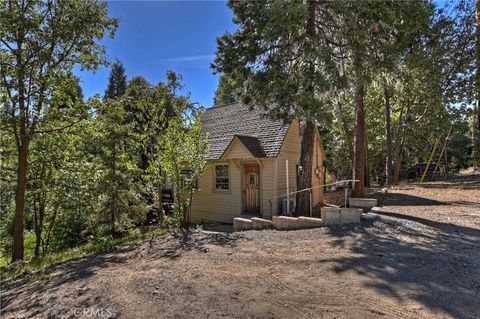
{"points": [[263, 137], [243, 147]]}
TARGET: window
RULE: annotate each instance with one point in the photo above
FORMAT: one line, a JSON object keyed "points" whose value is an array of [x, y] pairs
{"points": [[187, 179], [222, 181]]}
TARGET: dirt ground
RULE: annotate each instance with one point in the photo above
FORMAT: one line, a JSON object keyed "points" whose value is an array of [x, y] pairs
{"points": [[421, 259]]}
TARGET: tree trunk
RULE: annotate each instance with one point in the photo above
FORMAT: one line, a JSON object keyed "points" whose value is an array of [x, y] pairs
{"points": [[22, 169], [367, 166], [476, 110], [114, 193], [308, 138], [161, 214], [388, 139], [39, 225], [399, 159], [346, 130], [398, 148], [306, 162], [49, 230], [359, 143]]}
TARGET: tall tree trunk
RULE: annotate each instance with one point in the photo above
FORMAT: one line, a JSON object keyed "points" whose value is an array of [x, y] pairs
{"points": [[476, 110], [346, 130], [399, 158], [50, 229], [367, 166], [22, 169], [359, 143], [39, 211], [398, 148], [388, 138], [39, 225], [308, 138], [114, 193], [306, 162]]}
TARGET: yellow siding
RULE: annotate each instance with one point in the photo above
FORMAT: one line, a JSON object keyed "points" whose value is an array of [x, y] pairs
{"points": [[290, 151], [267, 173], [212, 205], [237, 150]]}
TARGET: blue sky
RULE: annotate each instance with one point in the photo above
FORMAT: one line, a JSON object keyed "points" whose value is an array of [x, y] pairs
{"points": [[156, 36]]}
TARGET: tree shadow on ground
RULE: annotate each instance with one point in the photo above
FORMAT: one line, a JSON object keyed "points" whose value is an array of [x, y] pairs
{"points": [[181, 243], [437, 264], [398, 199], [70, 273], [457, 182]]}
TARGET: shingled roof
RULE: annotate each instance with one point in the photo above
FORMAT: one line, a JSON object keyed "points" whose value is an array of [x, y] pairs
{"points": [[262, 136]]}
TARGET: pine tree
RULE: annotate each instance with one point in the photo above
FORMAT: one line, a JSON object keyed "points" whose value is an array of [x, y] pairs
{"points": [[228, 90], [117, 81]]}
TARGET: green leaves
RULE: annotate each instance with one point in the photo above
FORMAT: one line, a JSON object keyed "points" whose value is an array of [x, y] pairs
{"points": [[185, 148]]}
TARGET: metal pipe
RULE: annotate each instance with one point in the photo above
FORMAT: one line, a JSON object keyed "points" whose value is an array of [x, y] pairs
{"points": [[288, 188], [310, 202], [306, 189]]}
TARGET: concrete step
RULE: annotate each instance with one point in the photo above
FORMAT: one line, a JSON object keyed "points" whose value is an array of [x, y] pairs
{"points": [[331, 215], [310, 222], [240, 224], [261, 223], [364, 203], [350, 215], [285, 223]]}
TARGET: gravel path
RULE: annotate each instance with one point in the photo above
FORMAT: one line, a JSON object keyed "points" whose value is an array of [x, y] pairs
{"points": [[420, 259]]}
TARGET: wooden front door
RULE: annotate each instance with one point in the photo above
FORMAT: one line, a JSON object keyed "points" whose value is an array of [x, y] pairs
{"points": [[251, 190]]}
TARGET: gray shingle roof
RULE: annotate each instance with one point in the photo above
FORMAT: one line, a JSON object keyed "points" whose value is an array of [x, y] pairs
{"points": [[262, 136]]}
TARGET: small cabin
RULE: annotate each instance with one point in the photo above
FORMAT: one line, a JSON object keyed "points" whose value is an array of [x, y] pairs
{"points": [[251, 160]]}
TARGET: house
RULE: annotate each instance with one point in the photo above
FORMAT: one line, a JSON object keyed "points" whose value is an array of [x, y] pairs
{"points": [[247, 165]]}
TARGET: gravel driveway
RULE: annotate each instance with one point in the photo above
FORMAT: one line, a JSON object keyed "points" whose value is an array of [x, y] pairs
{"points": [[419, 259]]}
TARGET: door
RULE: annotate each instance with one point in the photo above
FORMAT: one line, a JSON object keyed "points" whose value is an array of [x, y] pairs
{"points": [[251, 187]]}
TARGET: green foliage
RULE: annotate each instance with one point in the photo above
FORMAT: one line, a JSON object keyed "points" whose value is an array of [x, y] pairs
{"points": [[118, 175], [117, 82], [228, 90], [35, 268], [185, 149]]}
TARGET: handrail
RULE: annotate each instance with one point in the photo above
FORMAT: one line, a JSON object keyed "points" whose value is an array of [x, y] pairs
{"points": [[310, 190]]}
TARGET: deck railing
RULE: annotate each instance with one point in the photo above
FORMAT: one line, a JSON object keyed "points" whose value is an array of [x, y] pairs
{"points": [[344, 183]]}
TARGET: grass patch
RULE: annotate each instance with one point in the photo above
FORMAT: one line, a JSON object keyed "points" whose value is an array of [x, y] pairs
{"points": [[34, 268]]}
